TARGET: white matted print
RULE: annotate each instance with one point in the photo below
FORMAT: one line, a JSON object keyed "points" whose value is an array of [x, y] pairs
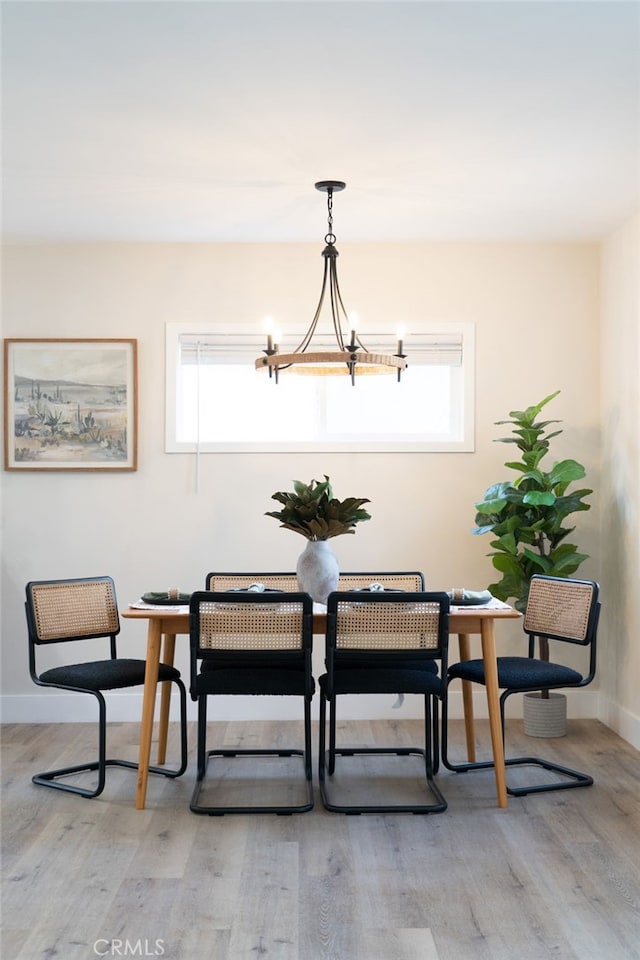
{"points": [[70, 404]]}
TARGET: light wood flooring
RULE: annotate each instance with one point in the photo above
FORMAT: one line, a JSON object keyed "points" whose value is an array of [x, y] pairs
{"points": [[554, 877]]}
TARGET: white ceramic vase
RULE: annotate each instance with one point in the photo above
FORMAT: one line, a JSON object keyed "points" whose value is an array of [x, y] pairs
{"points": [[317, 570]]}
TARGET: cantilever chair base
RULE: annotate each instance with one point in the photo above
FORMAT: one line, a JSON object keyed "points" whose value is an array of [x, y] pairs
{"points": [[281, 810], [327, 758], [49, 778], [438, 806], [574, 777]]}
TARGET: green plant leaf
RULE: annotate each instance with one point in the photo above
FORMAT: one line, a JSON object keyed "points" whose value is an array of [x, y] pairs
{"points": [[506, 543], [505, 563], [539, 498], [526, 516], [532, 412], [491, 506], [565, 471]]}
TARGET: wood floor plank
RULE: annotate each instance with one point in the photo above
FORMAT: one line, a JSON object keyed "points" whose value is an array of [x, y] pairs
{"points": [[267, 916], [328, 929]]}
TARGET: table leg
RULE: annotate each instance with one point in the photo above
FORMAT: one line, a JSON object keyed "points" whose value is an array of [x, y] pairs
{"points": [[493, 703], [165, 698], [467, 700], [148, 708]]}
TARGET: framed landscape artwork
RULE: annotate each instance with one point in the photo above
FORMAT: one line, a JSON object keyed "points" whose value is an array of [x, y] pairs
{"points": [[70, 404]]}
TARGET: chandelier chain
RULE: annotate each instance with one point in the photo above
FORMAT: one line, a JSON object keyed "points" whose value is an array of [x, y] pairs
{"points": [[330, 237]]}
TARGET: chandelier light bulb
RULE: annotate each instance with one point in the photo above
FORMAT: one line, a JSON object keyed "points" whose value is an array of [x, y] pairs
{"points": [[268, 326]]}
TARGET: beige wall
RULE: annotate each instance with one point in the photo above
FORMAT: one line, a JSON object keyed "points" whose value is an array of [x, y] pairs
{"points": [[536, 310], [620, 517]]}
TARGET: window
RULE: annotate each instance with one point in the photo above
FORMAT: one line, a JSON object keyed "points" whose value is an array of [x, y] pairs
{"points": [[216, 401]]}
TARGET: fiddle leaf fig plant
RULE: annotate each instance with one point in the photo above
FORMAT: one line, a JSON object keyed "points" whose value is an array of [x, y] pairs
{"points": [[312, 510], [527, 514]]}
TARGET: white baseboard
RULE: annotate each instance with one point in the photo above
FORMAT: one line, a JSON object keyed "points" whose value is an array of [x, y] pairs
{"points": [[126, 707], [623, 722]]}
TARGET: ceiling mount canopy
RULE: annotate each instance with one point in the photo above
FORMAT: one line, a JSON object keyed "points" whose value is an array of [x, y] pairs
{"points": [[351, 356]]}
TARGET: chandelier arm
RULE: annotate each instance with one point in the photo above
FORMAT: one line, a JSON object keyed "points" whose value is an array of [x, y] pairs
{"points": [[339, 298], [346, 316], [336, 303], [349, 349], [306, 340]]}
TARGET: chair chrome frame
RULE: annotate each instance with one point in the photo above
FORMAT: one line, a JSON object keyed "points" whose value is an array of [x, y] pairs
{"points": [[70, 610], [558, 609], [409, 636], [253, 644]]}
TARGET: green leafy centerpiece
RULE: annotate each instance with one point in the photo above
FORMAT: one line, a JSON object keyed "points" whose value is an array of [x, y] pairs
{"points": [[312, 511]]}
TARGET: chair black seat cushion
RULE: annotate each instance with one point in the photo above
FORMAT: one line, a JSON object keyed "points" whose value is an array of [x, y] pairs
{"points": [[254, 681], [518, 673], [278, 662], [393, 680], [105, 674]]}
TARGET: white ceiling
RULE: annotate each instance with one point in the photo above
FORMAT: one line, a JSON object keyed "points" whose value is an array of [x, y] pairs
{"points": [[211, 121]]}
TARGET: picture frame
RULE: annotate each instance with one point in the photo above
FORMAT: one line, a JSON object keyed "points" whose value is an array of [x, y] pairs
{"points": [[70, 404]]}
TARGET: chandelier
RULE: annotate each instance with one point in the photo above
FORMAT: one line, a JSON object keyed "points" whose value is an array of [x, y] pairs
{"points": [[351, 356]]}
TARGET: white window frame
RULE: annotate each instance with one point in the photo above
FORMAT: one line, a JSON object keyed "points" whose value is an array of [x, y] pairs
{"points": [[434, 342]]}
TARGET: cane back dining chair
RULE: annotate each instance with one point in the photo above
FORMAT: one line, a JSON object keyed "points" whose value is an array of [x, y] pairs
{"points": [[72, 610], [372, 580], [412, 580], [402, 580], [561, 610], [383, 642], [255, 644], [220, 582]]}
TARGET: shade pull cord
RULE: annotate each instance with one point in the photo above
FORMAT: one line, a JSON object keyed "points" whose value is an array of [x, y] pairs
{"points": [[198, 404]]}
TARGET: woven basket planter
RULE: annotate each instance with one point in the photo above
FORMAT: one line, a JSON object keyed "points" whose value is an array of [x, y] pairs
{"points": [[545, 717]]}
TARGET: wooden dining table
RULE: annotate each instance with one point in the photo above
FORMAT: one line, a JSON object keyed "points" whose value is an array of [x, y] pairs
{"points": [[465, 622]]}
